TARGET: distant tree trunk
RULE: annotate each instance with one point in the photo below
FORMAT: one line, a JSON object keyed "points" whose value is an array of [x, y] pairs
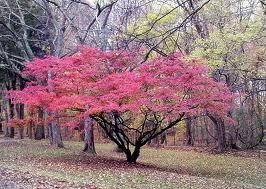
{"points": [[54, 129], [6, 130], [164, 138], [20, 115], [50, 133], [56, 135], [220, 132], [46, 126], [89, 138], [40, 133], [1, 125], [30, 130], [11, 113], [11, 130], [232, 139], [220, 129], [189, 138]]}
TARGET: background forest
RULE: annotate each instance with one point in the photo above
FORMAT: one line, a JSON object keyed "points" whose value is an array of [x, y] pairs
{"points": [[226, 36]]}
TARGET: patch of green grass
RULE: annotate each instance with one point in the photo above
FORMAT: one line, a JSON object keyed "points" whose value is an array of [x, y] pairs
{"points": [[232, 168], [165, 168]]}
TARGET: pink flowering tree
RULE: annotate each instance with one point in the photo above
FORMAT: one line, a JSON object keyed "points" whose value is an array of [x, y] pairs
{"points": [[131, 106]]}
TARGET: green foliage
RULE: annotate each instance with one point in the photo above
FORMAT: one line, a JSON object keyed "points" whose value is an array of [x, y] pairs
{"points": [[155, 25], [228, 47]]}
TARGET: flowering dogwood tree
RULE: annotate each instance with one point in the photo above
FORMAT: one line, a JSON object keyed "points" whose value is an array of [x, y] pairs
{"points": [[101, 86]]}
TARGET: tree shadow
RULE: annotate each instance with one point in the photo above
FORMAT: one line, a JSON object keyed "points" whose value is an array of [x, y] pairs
{"points": [[103, 162]]}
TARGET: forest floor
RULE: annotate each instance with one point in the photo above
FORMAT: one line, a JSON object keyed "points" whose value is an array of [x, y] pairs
{"points": [[35, 164]]}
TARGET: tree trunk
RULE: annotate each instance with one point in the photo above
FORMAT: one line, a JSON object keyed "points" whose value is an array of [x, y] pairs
{"points": [[11, 116], [221, 136], [11, 129], [232, 135], [1, 125], [6, 130], [20, 115], [54, 129], [56, 135], [132, 158], [40, 133], [20, 112], [89, 138], [164, 138], [30, 130], [189, 139], [220, 132]]}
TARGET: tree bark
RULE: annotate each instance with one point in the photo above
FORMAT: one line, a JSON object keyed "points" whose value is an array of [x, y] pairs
{"points": [[189, 138], [89, 138], [220, 132], [232, 135], [54, 129], [56, 135], [20, 115], [40, 133], [1, 125], [11, 113], [11, 129], [132, 158], [30, 130], [6, 130]]}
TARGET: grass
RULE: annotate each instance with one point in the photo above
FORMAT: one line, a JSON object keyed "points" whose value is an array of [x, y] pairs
{"points": [[157, 168]]}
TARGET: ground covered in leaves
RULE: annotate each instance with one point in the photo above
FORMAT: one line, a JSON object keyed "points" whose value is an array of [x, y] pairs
{"points": [[35, 164]]}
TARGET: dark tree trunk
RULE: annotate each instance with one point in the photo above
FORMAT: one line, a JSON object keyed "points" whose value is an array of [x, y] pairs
{"points": [[40, 133], [20, 114], [50, 133], [164, 139], [132, 158], [221, 136], [88, 138], [189, 137], [30, 130], [11, 113], [54, 128], [1, 125], [232, 138], [56, 135], [6, 129], [123, 140], [220, 132], [11, 109]]}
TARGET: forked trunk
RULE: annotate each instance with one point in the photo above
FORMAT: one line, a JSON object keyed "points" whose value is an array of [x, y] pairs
{"points": [[132, 158]]}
